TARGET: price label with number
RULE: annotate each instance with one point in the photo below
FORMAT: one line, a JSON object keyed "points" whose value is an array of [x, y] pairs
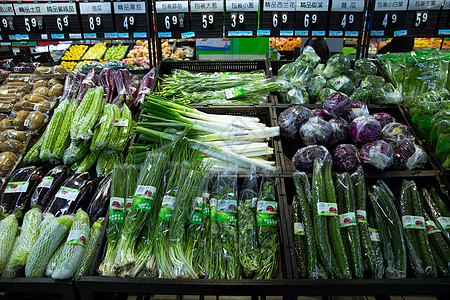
{"points": [[130, 16], [277, 18], [444, 20], [172, 18], [389, 18], [346, 17], [422, 17], [6, 21], [311, 18], [207, 18], [97, 19], [241, 17]]}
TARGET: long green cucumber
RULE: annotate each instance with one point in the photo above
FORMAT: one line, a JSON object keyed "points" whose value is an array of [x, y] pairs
{"points": [[437, 241], [301, 248], [334, 230], [320, 222], [376, 243], [437, 209], [441, 266]]}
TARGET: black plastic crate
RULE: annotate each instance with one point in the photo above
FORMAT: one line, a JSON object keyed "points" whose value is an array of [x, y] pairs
{"points": [[393, 183], [37, 288], [288, 148], [166, 68]]}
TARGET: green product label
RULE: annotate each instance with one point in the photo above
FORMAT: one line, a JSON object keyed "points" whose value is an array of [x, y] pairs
{"points": [[128, 203], [443, 145], [225, 74], [206, 210], [339, 82], [167, 207], [374, 235], [67, 193], [431, 227], [213, 209], [46, 182], [425, 122], [226, 211], [327, 209], [120, 122], [445, 222], [413, 222], [364, 82], [116, 216], [266, 213], [77, 237], [361, 215], [16, 187], [143, 198], [234, 92], [196, 218], [347, 219], [299, 229]]}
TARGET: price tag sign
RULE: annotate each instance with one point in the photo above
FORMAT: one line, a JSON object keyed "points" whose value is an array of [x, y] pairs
{"points": [[422, 17], [389, 18], [97, 20], [277, 18], [130, 16], [7, 26], [444, 20], [346, 17], [172, 18], [311, 18], [207, 18], [241, 18]]}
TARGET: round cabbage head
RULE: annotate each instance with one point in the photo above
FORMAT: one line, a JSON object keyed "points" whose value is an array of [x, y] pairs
{"points": [[357, 109], [304, 158], [345, 157], [395, 133], [383, 118], [316, 131], [364, 129], [340, 131], [291, 119], [337, 105], [377, 154], [409, 156], [321, 113]]}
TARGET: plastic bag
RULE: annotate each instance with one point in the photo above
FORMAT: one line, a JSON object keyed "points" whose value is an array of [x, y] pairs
{"points": [[346, 157], [409, 156], [97, 207], [122, 83], [48, 186], [378, 155], [315, 85], [304, 158], [291, 119], [339, 131], [88, 82], [57, 72], [396, 133], [72, 85], [316, 131]]}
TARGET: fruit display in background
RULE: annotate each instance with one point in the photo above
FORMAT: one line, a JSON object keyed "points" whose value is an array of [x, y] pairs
{"points": [[68, 65], [139, 55], [75, 52], [116, 52], [285, 44], [95, 52]]}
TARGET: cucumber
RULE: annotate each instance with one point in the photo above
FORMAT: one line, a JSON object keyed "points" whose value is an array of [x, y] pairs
{"points": [[304, 197], [376, 245], [441, 266], [366, 243], [395, 228], [386, 243], [334, 230], [299, 241], [422, 240], [436, 208], [438, 243], [320, 222]]}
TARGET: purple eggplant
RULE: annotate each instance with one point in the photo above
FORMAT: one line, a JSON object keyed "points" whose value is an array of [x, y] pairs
{"points": [[88, 83], [145, 86], [98, 206], [74, 193], [106, 80], [48, 186], [122, 81], [134, 85], [72, 85], [15, 197]]}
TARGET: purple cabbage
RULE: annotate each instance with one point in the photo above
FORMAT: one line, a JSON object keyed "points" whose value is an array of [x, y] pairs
{"points": [[304, 158], [89, 82], [395, 133], [339, 131], [383, 118], [122, 82], [364, 129], [72, 85], [321, 113], [357, 109], [106, 80], [345, 157], [337, 105], [145, 86], [316, 131], [291, 119], [408, 156], [377, 154]]}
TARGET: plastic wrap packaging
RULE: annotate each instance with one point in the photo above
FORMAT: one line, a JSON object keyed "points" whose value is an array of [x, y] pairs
{"points": [[88, 82], [376, 243], [364, 129], [75, 152], [304, 158], [346, 157], [74, 193], [337, 105], [267, 223], [145, 86], [324, 94], [24, 67], [48, 186], [339, 131], [378, 155], [372, 82], [357, 109], [356, 77], [409, 156], [8, 161], [321, 113], [97, 207], [249, 253], [414, 226], [316, 131], [437, 210], [4, 74], [7, 64], [106, 80], [303, 73], [72, 85], [383, 118], [202, 254], [390, 230], [396, 133], [315, 85], [360, 94], [15, 141], [296, 95], [371, 249], [365, 66], [122, 83], [15, 197], [57, 72], [342, 84], [304, 237], [337, 64], [386, 94], [291, 119], [310, 56]]}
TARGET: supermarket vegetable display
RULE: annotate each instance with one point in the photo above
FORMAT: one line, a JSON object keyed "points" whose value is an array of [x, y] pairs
{"points": [[307, 80]]}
